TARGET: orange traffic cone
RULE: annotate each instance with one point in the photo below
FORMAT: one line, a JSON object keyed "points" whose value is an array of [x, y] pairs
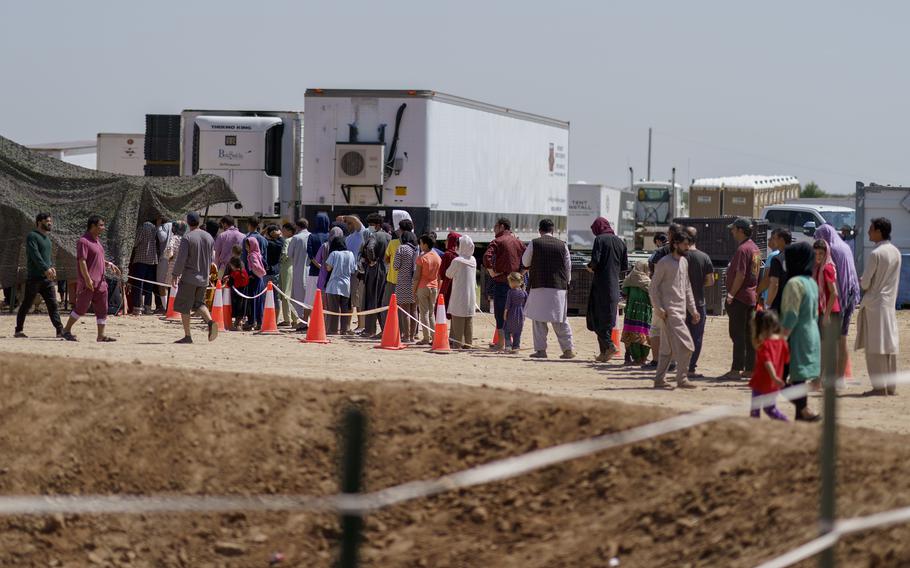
{"points": [[315, 332], [495, 341], [227, 309], [269, 323], [441, 337], [391, 334], [218, 307], [171, 314], [614, 337]]}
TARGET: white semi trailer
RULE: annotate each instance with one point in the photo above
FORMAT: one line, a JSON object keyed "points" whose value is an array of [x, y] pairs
{"points": [[454, 164], [257, 152]]}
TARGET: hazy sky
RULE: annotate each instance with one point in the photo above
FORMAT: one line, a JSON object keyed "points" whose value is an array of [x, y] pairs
{"points": [[804, 88]]}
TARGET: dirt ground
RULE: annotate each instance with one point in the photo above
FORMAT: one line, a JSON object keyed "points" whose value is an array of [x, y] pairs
{"points": [[148, 340], [731, 493]]}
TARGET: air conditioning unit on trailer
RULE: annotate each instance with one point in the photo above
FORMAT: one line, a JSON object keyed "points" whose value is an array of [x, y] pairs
{"points": [[359, 164]]}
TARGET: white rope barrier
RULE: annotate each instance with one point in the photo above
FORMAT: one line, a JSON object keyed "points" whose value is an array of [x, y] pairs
{"points": [[841, 528], [168, 286], [242, 295], [421, 324], [351, 314]]}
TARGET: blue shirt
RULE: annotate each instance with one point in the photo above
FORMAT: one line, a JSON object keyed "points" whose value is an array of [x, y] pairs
{"points": [[343, 265]]}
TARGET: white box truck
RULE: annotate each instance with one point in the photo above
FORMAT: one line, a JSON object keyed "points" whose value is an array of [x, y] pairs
{"points": [[893, 203], [257, 152], [452, 163], [121, 153], [586, 203]]}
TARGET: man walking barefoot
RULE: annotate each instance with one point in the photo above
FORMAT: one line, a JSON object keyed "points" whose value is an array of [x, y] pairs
{"points": [[91, 287], [191, 270]]}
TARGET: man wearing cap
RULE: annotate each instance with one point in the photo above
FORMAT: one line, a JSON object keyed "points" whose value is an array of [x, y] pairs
{"points": [[191, 270], [742, 284]]}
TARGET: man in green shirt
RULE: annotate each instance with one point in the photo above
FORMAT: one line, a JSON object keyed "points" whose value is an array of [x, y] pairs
{"points": [[42, 275]]}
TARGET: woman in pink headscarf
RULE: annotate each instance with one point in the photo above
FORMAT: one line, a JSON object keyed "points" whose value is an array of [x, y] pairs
{"points": [[256, 269], [829, 312]]}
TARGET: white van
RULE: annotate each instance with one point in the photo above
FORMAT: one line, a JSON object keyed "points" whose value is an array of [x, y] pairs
{"points": [[802, 220]]}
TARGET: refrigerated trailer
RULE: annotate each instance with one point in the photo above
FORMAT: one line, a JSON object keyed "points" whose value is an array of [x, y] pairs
{"points": [[256, 152], [454, 164]]}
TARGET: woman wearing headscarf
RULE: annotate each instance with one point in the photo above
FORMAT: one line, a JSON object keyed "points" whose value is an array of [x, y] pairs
{"points": [[799, 318], [256, 269], [399, 216], [609, 259], [462, 276], [829, 311], [314, 243], [323, 254], [340, 265], [848, 291], [636, 325], [372, 263], [450, 254], [405, 264]]}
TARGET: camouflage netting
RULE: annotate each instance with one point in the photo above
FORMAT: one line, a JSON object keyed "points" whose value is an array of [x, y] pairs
{"points": [[31, 183]]}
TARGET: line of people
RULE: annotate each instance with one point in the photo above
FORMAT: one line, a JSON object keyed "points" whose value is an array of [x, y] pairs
{"points": [[790, 327], [808, 296]]}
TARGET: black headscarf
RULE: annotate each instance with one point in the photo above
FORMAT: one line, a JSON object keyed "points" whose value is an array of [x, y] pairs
{"points": [[409, 238], [337, 243], [800, 259]]}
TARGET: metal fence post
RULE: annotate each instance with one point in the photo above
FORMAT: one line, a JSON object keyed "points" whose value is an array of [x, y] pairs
{"points": [[828, 469], [351, 475]]}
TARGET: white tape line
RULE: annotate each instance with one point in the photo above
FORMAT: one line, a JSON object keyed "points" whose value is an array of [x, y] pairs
{"points": [[841, 528]]}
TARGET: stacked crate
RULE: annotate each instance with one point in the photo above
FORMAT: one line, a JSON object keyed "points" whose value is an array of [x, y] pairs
{"points": [[162, 144]]}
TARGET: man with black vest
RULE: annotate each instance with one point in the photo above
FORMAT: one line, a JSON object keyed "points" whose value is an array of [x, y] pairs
{"points": [[547, 259]]}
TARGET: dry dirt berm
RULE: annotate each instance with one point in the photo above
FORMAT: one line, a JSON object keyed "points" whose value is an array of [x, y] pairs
{"points": [[731, 493]]}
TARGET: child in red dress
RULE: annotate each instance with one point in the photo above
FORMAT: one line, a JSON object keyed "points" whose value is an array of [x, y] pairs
{"points": [[771, 354]]}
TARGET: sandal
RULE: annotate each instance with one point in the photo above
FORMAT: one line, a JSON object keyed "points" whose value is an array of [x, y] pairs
{"points": [[106, 339]]}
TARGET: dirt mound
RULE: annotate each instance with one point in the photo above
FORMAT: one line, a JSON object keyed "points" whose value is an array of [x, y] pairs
{"points": [[731, 493]]}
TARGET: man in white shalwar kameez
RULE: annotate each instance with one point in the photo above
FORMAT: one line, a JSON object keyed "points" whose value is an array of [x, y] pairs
{"points": [[550, 267], [300, 264], [671, 296], [876, 330]]}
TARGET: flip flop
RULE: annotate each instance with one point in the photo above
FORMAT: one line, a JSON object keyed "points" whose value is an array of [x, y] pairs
{"points": [[106, 339]]}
